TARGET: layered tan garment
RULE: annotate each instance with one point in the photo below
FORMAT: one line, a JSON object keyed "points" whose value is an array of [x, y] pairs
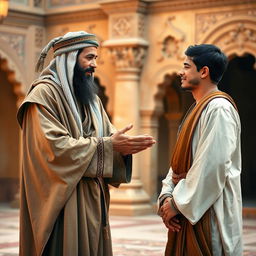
{"points": [[65, 177], [207, 173]]}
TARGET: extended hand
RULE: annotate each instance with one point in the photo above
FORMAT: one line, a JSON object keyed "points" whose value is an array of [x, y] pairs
{"points": [[126, 144]]}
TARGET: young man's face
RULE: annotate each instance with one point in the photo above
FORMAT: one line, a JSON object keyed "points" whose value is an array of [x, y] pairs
{"points": [[87, 59], [190, 77]]}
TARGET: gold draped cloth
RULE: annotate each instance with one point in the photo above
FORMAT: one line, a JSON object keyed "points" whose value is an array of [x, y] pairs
{"points": [[191, 240]]}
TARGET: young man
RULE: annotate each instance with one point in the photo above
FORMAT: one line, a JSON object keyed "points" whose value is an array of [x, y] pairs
{"points": [[200, 202], [71, 152]]}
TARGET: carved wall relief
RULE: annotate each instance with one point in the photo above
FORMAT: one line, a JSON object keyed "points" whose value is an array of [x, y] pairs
{"points": [[205, 21], [56, 3], [128, 56], [38, 3], [240, 35], [122, 26], [39, 37], [171, 40], [22, 2], [16, 41], [141, 25]]}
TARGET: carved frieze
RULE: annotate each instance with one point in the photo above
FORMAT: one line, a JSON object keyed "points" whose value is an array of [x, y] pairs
{"points": [[39, 37], [239, 35], [22, 2], [171, 40], [141, 25], [122, 26], [205, 21], [128, 56], [60, 2], [16, 41], [38, 3]]}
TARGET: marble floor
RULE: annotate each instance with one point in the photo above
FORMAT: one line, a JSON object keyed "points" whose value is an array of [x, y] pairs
{"points": [[131, 236]]}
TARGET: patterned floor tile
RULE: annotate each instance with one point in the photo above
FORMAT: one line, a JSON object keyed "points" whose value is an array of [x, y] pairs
{"points": [[131, 236]]}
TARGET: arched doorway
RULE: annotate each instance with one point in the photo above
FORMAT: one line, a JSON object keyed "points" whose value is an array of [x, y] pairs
{"points": [[239, 81], [175, 104], [9, 138]]}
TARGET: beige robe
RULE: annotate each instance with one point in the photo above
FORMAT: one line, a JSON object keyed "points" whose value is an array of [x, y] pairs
{"points": [[65, 176], [213, 180]]}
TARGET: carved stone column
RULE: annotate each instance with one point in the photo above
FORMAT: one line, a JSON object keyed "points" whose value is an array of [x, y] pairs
{"points": [[148, 158], [127, 49], [129, 199]]}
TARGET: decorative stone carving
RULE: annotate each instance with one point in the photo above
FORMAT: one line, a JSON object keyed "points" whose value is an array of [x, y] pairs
{"points": [[128, 56], [39, 36], [240, 35], [16, 41], [38, 3], [171, 39], [141, 25], [122, 26], [23, 2], [60, 2], [205, 21]]}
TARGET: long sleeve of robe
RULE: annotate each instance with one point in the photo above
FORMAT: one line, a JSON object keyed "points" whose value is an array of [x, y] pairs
{"points": [[64, 178], [213, 181]]}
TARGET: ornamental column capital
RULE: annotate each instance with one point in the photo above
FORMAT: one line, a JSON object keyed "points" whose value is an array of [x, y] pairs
{"points": [[127, 54]]}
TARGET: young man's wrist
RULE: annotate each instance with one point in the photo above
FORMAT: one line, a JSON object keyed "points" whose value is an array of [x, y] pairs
{"points": [[173, 206]]}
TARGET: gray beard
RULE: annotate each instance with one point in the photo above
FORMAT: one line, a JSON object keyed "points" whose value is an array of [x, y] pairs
{"points": [[84, 87]]}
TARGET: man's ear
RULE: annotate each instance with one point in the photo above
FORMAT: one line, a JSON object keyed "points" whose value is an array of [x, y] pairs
{"points": [[204, 72]]}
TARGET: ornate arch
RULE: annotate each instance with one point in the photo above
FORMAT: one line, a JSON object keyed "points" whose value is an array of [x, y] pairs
{"points": [[10, 64], [158, 86], [235, 35]]}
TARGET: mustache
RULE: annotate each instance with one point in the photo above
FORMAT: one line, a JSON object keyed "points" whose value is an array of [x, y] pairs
{"points": [[89, 70], [84, 87]]}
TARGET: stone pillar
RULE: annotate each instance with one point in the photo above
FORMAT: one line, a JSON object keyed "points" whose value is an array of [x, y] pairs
{"points": [[127, 49], [148, 158]]}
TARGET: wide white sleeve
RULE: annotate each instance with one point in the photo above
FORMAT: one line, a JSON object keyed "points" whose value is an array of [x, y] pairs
{"points": [[214, 142], [167, 188]]}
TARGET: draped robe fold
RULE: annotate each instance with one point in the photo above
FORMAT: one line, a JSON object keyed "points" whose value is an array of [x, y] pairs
{"points": [[189, 171], [64, 179]]}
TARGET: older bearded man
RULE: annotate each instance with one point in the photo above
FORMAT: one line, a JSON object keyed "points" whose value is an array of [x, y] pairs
{"points": [[71, 153]]}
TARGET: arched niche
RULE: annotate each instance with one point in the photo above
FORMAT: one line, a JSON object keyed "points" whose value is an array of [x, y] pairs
{"points": [[15, 70], [13, 82], [174, 104], [157, 86], [10, 97]]}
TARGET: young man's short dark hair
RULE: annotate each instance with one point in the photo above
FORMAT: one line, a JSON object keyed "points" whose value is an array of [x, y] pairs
{"points": [[211, 56]]}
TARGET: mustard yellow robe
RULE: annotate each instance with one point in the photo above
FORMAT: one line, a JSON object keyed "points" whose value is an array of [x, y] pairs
{"points": [[64, 179]]}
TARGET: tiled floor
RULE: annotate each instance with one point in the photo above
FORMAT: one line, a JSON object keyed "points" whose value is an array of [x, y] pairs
{"points": [[131, 236]]}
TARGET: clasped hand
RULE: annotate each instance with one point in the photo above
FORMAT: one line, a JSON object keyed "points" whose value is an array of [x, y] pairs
{"points": [[169, 217], [126, 144]]}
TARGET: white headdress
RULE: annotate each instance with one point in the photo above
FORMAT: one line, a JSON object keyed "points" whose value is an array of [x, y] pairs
{"points": [[61, 68]]}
